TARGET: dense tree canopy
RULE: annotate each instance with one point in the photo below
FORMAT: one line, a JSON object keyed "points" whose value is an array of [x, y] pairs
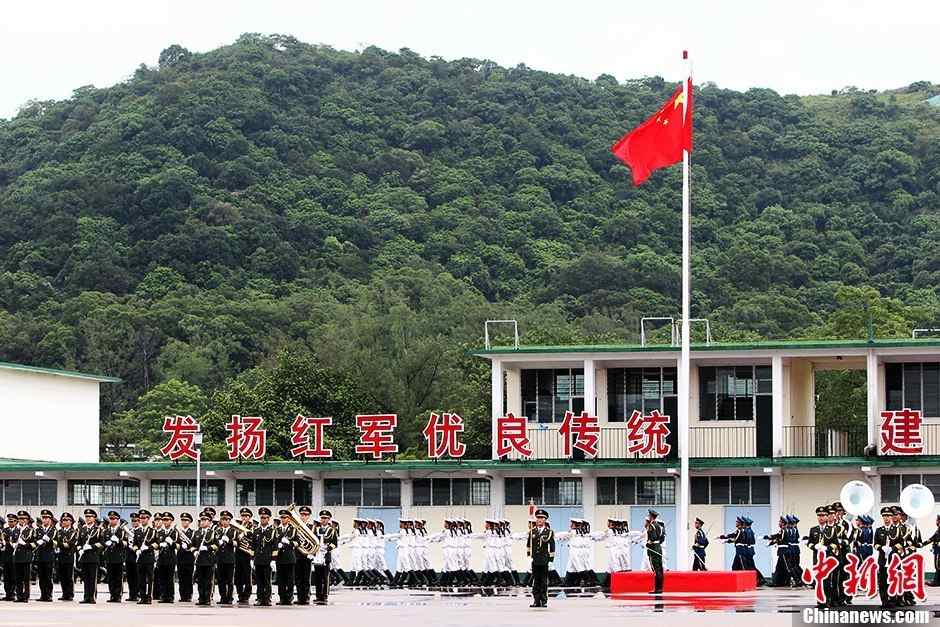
{"points": [[363, 213]]}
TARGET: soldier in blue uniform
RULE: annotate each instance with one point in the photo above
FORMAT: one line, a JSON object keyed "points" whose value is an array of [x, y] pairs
{"points": [[793, 539], [864, 538], [735, 538], [699, 546], [781, 539]]}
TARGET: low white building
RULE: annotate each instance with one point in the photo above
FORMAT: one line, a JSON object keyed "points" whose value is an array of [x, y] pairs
{"points": [[49, 415]]}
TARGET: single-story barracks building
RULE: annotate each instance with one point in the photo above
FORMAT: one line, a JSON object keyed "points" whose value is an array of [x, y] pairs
{"points": [[755, 446]]}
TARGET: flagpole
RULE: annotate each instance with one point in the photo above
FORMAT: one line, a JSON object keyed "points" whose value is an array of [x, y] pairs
{"points": [[682, 532]]}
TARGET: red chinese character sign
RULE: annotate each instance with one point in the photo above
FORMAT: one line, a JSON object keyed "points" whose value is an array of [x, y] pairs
{"points": [[862, 579], [182, 430], [375, 436], [441, 434], [903, 575], [579, 432], [646, 434], [512, 435], [247, 439], [303, 430], [825, 565], [900, 432], [907, 575]]}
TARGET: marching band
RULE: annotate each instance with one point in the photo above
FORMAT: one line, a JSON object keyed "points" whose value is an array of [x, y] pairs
{"points": [[226, 560]]}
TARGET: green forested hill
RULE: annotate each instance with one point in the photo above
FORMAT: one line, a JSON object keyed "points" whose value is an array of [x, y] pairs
{"points": [[279, 227]]}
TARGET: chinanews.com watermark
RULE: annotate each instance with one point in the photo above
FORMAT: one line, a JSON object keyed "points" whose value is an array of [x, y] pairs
{"points": [[863, 616]]}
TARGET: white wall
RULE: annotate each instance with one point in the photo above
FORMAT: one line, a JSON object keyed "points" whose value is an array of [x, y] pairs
{"points": [[48, 417]]}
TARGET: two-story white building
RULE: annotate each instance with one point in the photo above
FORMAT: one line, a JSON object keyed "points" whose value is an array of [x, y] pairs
{"points": [[754, 443]]}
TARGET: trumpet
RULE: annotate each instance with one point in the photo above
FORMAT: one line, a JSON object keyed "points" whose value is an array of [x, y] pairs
{"points": [[308, 543], [243, 543]]}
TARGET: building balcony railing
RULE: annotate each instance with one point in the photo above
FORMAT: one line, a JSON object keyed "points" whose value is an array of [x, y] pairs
{"points": [[813, 441], [716, 442], [723, 442]]}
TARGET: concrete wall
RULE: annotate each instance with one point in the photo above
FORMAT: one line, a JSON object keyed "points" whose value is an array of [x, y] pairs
{"points": [[48, 417], [800, 406]]}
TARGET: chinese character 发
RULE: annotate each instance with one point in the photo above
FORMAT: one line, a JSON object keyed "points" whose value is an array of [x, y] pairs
{"points": [[182, 430]]}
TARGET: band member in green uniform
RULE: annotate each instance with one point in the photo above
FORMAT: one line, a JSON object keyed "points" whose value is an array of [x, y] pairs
{"points": [[329, 538], [655, 536], [204, 547]]}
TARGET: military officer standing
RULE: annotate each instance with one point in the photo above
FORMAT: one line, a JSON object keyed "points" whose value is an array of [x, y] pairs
{"points": [[225, 558], [286, 559], [934, 541], [146, 543], [115, 546], [166, 560], [130, 558], [243, 560], [89, 537], [329, 538], [264, 539], [655, 536], [540, 547], [65, 547], [205, 545], [7, 548], [698, 546], [185, 558], [302, 563], [44, 554]]}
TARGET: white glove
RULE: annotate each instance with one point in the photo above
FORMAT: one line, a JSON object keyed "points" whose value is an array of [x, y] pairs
{"points": [[203, 548], [137, 552], [223, 540], [114, 538], [108, 543], [273, 564], [41, 542], [310, 557], [146, 547], [21, 542], [164, 544], [820, 547], [285, 541], [886, 549], [87, 547], [186, 545]]}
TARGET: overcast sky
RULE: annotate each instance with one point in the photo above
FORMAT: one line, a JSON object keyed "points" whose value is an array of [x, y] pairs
{"points": [[799, 46]]}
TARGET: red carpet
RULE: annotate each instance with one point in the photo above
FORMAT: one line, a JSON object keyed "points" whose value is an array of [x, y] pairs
{"points": [[685, 581]]}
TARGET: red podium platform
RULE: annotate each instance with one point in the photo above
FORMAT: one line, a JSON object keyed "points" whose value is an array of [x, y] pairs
{"points": [[685, 581]]}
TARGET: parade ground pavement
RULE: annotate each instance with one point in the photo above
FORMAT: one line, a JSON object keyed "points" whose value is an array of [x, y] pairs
{"points": [[400, 608]]}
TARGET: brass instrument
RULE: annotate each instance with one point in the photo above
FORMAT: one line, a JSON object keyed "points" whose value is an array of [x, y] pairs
{"points": [[243, 542], [308, 543]]}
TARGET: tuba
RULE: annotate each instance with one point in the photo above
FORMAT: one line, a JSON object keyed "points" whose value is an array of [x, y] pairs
{"points": [[308, 543], [243, 542], [917, 501], [857, 497]]}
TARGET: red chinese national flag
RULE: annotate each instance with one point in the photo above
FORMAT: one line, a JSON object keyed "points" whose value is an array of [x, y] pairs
{"points": [[659, 141]]}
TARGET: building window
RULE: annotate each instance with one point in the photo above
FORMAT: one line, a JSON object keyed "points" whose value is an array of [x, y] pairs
{"points": [[182, 492], [548, 393], [913, 386], [730, 490], [117, 492], [891, 485], [447, 492], [728, 392], [637, 389], [279, 492], [28, 492], [543, 491], [362, 492]]}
